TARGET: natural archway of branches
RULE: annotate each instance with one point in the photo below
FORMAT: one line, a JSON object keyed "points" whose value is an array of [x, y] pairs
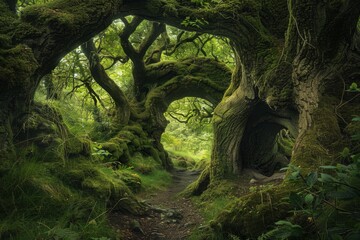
{"points": [[296, 62]]}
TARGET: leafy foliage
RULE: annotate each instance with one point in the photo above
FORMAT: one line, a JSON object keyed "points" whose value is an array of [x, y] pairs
{"points": [[188, 135], [329, 199], [102, 154], [197, 23]]}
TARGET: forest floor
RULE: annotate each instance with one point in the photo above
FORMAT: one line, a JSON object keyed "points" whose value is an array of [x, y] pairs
{"points": [[170, 217]]}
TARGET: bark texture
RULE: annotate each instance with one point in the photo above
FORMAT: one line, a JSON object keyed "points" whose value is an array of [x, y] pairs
{"points": [[294, 58]]}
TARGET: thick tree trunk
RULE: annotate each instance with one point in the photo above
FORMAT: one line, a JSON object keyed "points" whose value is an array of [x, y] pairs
{"points": [[306, 70], [323, 66], [230, 118], [17, 66]]}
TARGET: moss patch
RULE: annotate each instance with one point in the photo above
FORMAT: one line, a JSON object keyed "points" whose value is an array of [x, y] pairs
{"points": [[54, 187], [320, 144], [252, 214], [17, 64], [200, 185], [39, 200]]}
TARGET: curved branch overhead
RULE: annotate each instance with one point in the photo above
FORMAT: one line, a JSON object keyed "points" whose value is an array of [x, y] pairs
{"points": [[168, 81], [77, 21], [271, 66], [294, 61], [101, 77]]}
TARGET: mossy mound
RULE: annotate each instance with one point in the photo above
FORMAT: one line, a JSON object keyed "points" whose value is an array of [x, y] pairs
{"points": [[200, 185], [130, 140], [44, 136], [54, 189], [40, 200], [251, 215]]}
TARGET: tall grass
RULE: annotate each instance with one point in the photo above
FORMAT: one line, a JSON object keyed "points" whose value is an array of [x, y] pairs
{"points": [[36, 203], [153, 176]]}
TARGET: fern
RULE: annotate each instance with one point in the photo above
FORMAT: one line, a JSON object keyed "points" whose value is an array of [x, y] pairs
{"points": [[63, 234], [284, 230], [234, 237]]}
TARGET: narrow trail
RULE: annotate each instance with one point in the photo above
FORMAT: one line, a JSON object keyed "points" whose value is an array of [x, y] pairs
{"points": [[169, 217]]}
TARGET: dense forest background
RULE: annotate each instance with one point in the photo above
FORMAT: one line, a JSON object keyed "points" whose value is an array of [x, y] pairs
{"points": [[101, 100]]}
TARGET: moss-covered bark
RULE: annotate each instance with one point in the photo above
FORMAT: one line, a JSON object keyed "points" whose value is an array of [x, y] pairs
{"points": [[318, 77], [53, 177], [302, 69]]}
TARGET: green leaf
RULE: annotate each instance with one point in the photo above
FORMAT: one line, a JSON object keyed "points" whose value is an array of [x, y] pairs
{"points": [[356, 119], [345, 152], [356, 157], [311, 179], [295, 175], [309, 198], [353, 236], [63, 233], [344, 194], [353, 87], [283, 222], [296, 200], [355, 137], [284, 168], [336, 237], [328, 167], [326, 178]]}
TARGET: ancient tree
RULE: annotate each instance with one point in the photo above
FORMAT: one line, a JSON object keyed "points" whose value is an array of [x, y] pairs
{"points": [[294, 60]]}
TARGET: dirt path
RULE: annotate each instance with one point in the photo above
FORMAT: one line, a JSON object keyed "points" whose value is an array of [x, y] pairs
{"points": [[169, 217]]}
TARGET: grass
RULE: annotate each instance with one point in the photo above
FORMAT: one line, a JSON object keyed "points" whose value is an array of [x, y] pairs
{"points": [[188, 160], [210, 209], [156, 180], [212, 203], [38, 203], [151, 174]]}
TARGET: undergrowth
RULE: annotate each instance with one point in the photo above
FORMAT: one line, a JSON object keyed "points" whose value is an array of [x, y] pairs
{"points": [[150, 173], [328, 205], [38, 203], [55, 201]]}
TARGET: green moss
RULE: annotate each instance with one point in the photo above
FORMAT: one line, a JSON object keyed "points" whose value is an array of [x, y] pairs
{"points": [[47, 186], [200, 185], [17, 64], [250, 215], [285, 144], [45, 137], [137, 129], [75, 146], [132, 181], [321, 142], [64, 15], [274, 16], [106, 185], [154, 153], [5, 41], [353, 128], [158, 179], [278, 88], [118, 150], [143, 165], [7, 19], [220, 188], [36, 199]]}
